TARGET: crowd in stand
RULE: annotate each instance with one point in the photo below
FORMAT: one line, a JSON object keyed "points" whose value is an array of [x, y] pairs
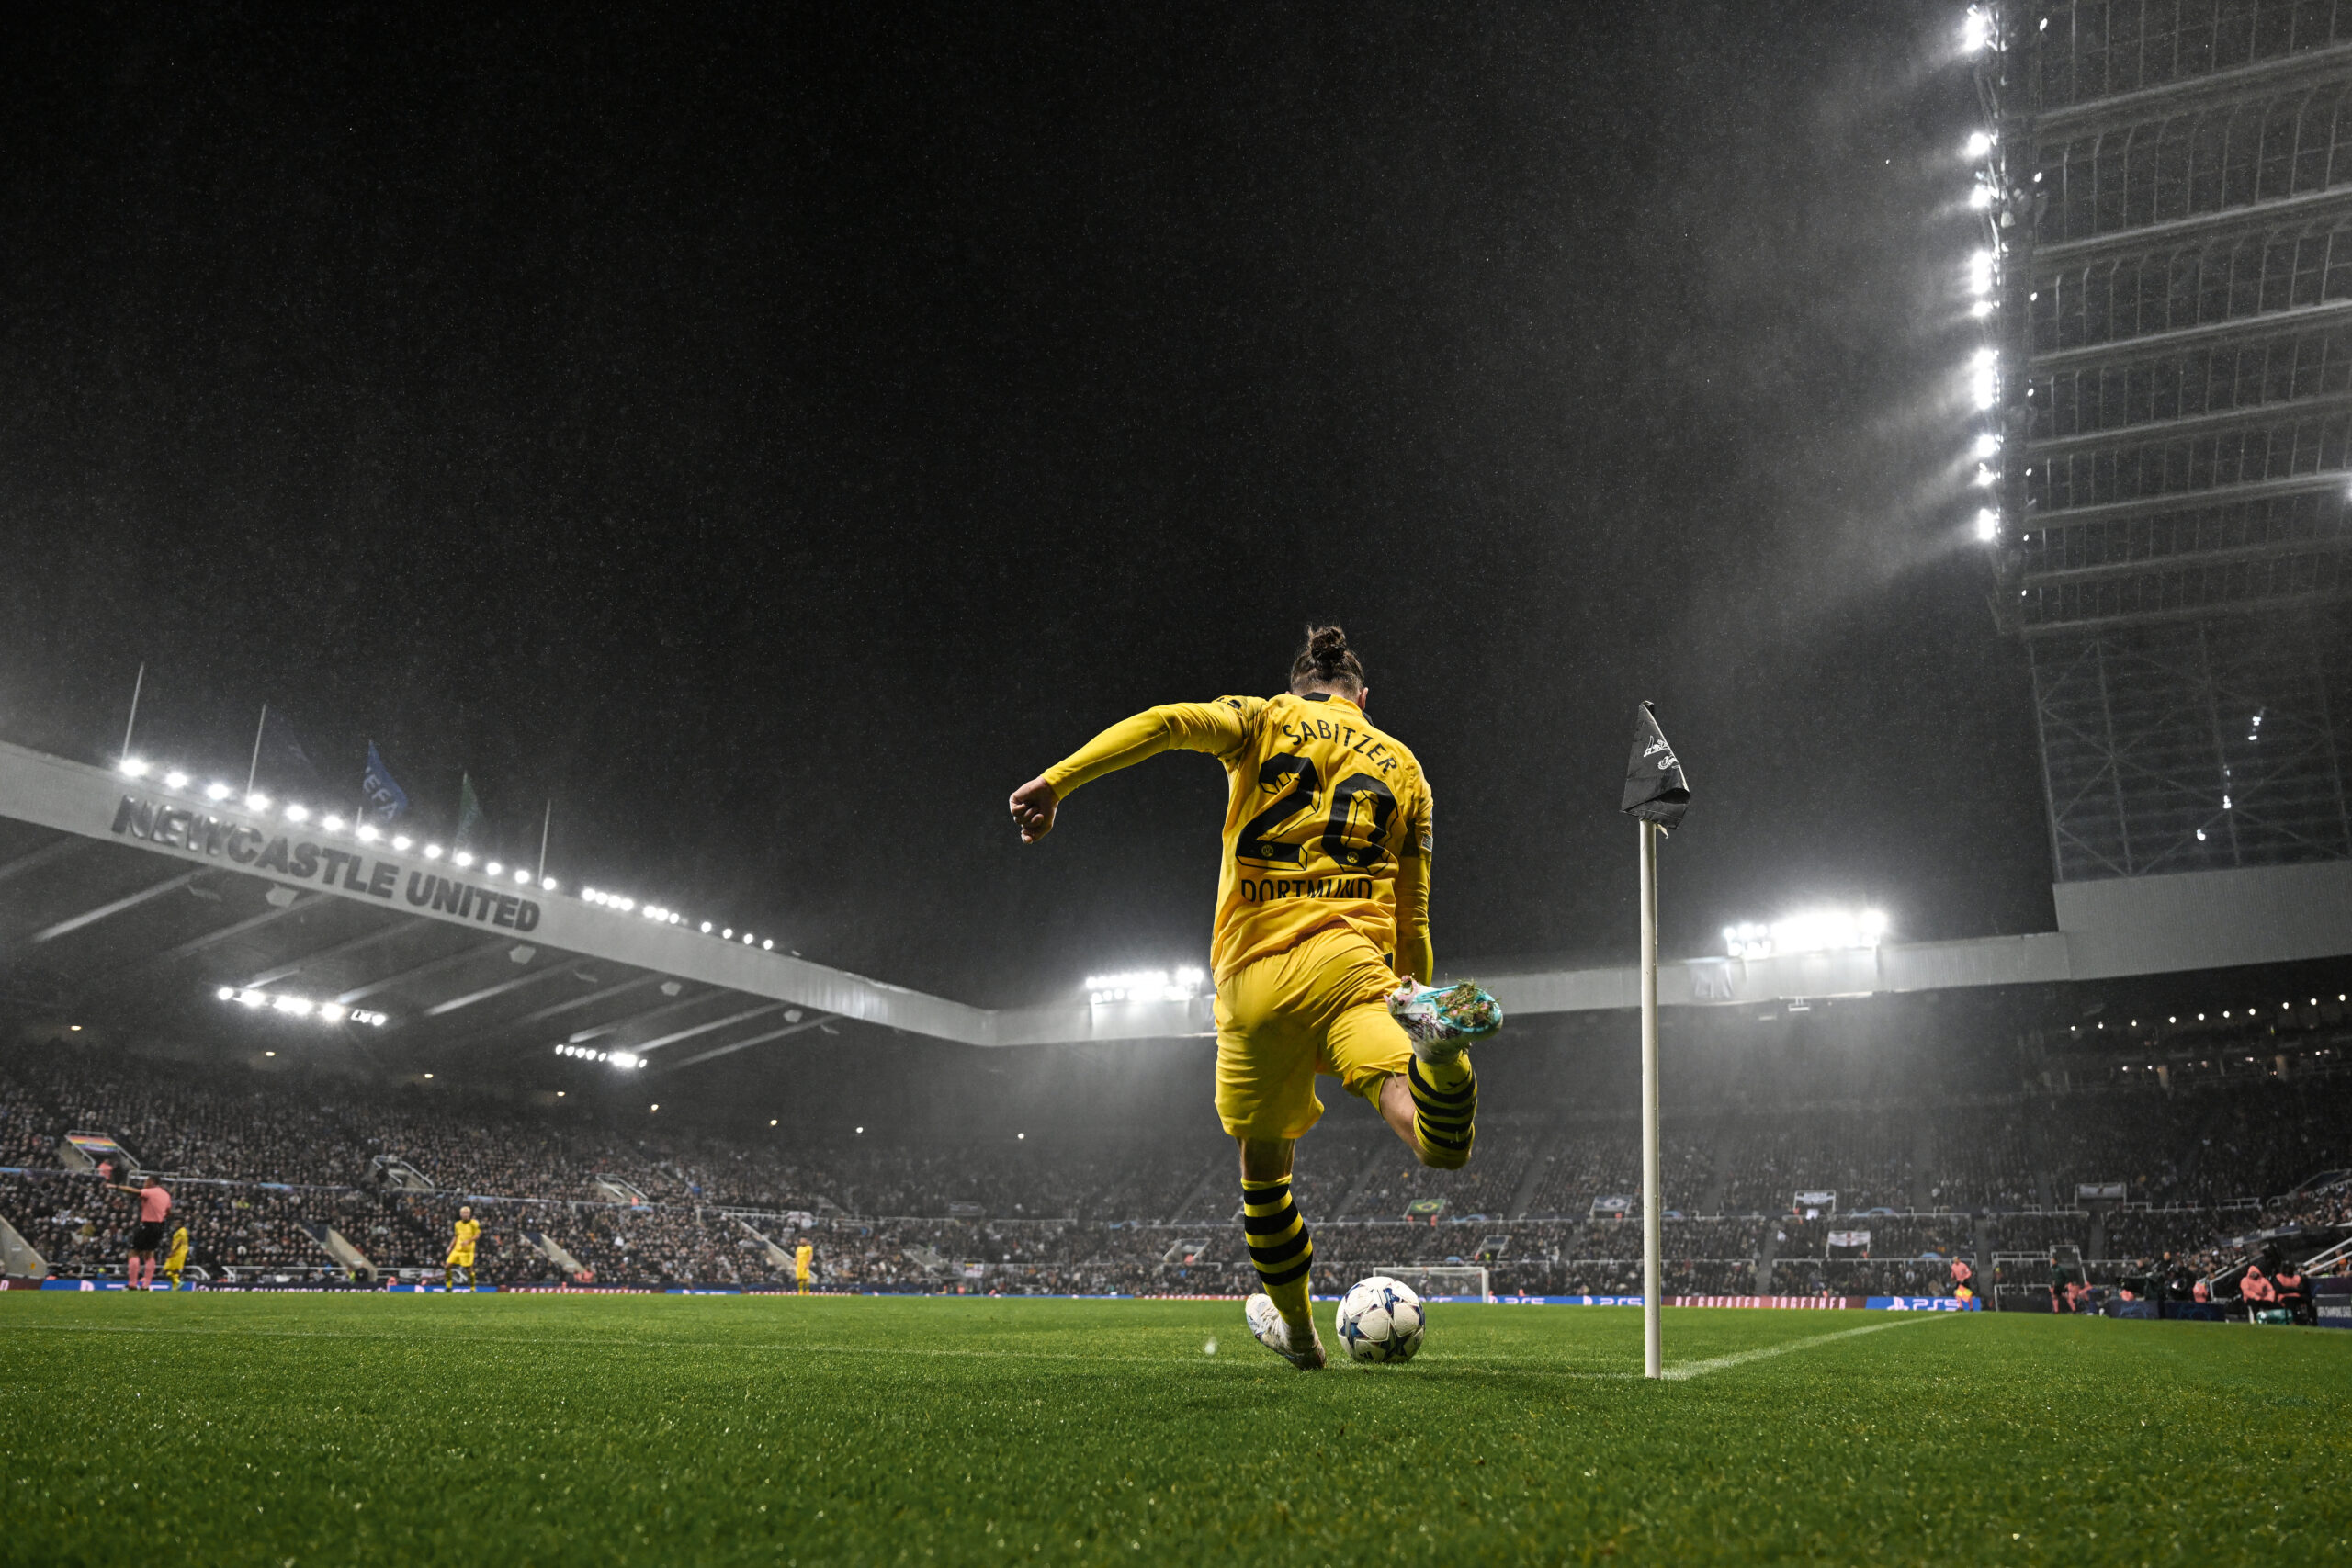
{"points": [[267, 1172]]}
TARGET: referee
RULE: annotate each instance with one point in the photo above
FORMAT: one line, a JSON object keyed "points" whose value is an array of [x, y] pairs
{"points": [[147, 1234]]}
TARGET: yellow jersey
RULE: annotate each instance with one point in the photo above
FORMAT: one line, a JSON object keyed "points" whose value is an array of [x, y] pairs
{"points": [[1327, 821], [463, 1235], [800, 1256], [178, 1257]]}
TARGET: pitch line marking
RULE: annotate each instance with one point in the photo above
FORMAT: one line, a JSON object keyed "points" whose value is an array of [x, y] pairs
{"points": [[1689, 1370], [1682, 1372]]}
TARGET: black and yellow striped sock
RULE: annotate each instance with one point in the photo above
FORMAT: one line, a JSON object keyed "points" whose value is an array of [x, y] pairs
{"points": [[1445, 1109], [1280, 1247]]}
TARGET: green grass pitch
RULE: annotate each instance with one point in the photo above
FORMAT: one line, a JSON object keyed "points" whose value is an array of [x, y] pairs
{"points": [[406, 1430]]}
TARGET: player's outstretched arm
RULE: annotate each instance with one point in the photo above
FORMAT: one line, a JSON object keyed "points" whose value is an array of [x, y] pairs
{"points": [[1034, 806], [1215, 727]]}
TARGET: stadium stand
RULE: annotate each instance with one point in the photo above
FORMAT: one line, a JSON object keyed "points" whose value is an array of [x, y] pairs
{"points": [[262, 1166]]}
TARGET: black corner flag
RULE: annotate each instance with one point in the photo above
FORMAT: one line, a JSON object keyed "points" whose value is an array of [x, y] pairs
{"points": [[1656, 790]]}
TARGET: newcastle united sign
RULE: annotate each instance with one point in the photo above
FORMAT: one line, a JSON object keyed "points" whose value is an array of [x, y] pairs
{"points": [[295, 858]]}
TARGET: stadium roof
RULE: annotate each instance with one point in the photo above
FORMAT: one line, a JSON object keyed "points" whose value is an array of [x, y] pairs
{"points": [[123, 901]]}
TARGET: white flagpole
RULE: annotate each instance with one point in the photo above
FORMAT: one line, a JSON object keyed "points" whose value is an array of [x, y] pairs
{"points": [[253, 769], [546, 821], [1653, 1224], [135, 686]]}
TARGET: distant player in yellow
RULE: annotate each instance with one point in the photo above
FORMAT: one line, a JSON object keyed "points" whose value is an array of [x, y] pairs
{"points": [[1322, 916], [800, 1258], [177, 1259], [459, 1264]]}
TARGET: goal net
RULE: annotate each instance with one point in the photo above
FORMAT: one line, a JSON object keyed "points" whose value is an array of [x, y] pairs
{"points": [[1435, 1282]]}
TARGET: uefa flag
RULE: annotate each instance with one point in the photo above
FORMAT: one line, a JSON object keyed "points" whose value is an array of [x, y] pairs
{"points": [[385, 798], [1656, 790]]}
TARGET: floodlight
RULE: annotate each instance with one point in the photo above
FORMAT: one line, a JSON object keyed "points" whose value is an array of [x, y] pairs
{"points": [[1985, 477], [1980, 273], [216, 790], [494, 869], [298, 813], [1975, 31], [134, 767], [1988, 444], [256, 802], [366, 833], [1819, 930], [330, 1012], [549, 882], [463, 857], [294, 1005], [1984, 378], [175, 780], [227, 993], [1979, 196], [431, 852], [768, 946], [705, 928], [401, 841], [1982, 309], [1988, 525], [747, 939], [523, 877], [252, 997], [1979, 143], [624, 1059], [332, 823]]}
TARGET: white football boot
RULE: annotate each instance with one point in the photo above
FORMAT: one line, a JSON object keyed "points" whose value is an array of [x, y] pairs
{"points": [[1434, 1016], [1272, 1329]]}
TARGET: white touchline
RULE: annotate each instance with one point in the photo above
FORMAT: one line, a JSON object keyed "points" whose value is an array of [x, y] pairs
{"points": [[1700, 1368]]}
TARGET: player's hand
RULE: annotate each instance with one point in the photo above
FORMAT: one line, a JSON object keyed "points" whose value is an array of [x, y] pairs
{"points": [[1034, 805]]}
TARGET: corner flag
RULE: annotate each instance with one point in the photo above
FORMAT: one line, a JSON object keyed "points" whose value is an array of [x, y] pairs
{"points": [[1657, 796], [1656, 790]]}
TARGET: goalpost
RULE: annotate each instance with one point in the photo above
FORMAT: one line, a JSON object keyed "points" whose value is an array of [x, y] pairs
{"points": [[1438, 1283]]}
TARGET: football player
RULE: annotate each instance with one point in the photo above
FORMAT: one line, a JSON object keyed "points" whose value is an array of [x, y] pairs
{"points": [[1322, 921]]}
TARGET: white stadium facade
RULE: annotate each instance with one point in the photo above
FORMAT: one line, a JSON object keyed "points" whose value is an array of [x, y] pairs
{"points": [[129, 904]]}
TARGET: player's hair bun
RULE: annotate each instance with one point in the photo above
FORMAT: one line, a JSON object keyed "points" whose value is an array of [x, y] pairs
{"points": [[1326, 661]]}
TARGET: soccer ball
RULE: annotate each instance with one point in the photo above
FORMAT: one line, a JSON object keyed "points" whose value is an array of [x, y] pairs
{"points": [[1381, 1320]]}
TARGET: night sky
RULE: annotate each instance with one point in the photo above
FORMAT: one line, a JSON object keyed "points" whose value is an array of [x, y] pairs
{"points": [[774, 436]]}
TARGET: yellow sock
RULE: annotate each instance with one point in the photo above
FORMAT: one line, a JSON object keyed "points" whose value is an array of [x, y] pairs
{"points": [[1445, 1109], [1280, 1247]]}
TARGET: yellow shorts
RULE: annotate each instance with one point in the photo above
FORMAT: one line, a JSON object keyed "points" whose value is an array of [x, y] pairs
{"points": [[458, 1260], [1320, 1007]]}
